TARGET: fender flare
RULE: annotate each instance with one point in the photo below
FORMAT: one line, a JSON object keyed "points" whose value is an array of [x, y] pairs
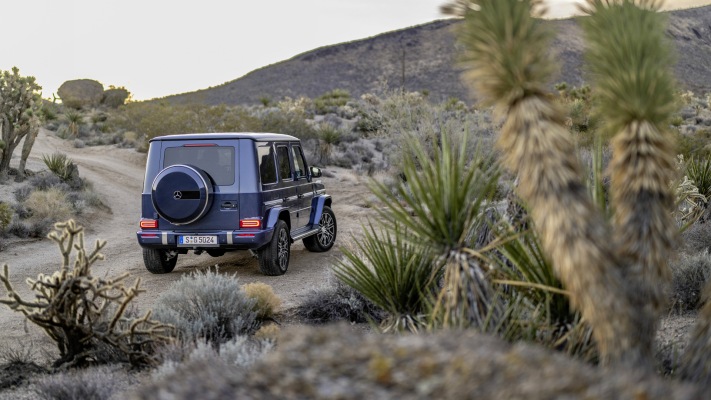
{"points": [[273, 217], [317, 204]]}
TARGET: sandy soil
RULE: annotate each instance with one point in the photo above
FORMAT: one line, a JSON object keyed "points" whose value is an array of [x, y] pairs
{"points": [[117, 175]]}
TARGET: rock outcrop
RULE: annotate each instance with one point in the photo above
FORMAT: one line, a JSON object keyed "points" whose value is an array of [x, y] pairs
{"points": [[81, 93]]}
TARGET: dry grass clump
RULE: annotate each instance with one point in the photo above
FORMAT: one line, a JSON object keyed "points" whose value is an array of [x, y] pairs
{"points": [[51, 204], [268, 332], [267, 302]]}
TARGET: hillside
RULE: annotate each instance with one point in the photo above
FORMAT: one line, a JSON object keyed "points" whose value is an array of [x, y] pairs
{"points": [[424, 58]]}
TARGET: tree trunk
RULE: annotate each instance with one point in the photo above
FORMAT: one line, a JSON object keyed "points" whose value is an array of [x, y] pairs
{"points": [[26, 149]]}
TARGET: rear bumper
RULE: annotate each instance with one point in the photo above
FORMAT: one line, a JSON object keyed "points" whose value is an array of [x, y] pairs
{"points": [[226, 240]]}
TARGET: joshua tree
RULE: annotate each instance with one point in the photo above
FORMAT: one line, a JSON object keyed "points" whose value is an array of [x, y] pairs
{"points": [[19, 103], [613, 284]]}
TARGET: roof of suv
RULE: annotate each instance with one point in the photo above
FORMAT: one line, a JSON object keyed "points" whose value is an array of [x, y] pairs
{"points": [[231, 135]]}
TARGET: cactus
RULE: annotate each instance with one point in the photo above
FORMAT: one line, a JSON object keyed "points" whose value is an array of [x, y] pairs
{"points": [[83, 313]]}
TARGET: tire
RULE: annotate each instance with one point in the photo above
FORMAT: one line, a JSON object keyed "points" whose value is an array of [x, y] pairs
{"points": [[326, 236], [182, 194], [274, 258], [158, 261]]}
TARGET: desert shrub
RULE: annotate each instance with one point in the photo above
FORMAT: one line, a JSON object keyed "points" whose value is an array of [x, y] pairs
{"points": [[60, 165], [151, 119], [42, 181], [329, 102], [80, 312], [699, 171], [339, 302], [239, 352], [291, 122], [75, 120], [394, 273], [50, 204], [690, 273], [266, 301], [437, 208], [23, 192], [97, 383], [18, 365], [20, 229], [207, 306], [267, 332], [696, 238], [695, 145], [79, 144], [328, 137], [6, 213]]}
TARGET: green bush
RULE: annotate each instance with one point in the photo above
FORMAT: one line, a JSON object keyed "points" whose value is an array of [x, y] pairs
{"points": [[207, 306], [393, 273], [61, 165], [699, 171], [329, 102]]}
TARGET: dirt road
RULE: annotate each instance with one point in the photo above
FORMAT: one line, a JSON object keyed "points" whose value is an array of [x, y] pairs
{"points": [[117, 175]]}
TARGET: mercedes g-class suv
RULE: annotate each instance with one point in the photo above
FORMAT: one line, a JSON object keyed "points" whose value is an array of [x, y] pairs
{"points": [[218, 192]]}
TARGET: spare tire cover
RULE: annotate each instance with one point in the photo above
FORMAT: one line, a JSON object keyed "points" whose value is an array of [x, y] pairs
{"points": [[182, 194]]}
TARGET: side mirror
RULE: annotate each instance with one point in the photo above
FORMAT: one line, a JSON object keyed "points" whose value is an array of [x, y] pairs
{"points": [[316, 172]]}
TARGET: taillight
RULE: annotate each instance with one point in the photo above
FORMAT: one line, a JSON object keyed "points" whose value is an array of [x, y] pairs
{"points": [[250, 223], [148, 223]]}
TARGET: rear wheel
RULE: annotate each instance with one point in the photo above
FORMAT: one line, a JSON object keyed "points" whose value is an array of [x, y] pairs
{"points": [[274, 258], [159, 261], [326, 236]]}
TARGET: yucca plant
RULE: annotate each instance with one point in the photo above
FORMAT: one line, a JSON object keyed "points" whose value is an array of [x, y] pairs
{"points": [[393, 273], [699, 172], [441, 204], [75, 120], [507, 61], [59, 164]]}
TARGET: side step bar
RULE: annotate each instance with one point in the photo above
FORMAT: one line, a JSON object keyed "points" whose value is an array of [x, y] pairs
{"points": [[305, 234]]}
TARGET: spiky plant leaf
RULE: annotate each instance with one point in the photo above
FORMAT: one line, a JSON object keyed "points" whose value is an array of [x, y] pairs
{"points": [[393, 273], [505, 49], [630, 59], [443, 197]]}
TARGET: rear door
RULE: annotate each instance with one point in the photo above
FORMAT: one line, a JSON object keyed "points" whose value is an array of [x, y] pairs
{"points": [[304, 188], [287, 187]]}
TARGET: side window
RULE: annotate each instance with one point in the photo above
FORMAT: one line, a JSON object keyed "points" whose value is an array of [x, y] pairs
{"points": [[299, 164], [284, 165], [267, 163]]}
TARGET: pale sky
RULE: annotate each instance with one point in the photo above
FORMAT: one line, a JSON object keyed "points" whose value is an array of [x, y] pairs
{"points": [[157, 48]]}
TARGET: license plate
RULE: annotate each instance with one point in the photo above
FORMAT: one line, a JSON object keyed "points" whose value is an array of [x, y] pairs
{"points": [[197, 240]]}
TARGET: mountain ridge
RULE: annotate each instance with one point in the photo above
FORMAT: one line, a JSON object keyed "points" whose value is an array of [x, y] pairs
{"points": [[423, 58]]}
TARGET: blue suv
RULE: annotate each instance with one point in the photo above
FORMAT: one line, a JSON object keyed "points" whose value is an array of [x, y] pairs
{"points": [[221, 192]]}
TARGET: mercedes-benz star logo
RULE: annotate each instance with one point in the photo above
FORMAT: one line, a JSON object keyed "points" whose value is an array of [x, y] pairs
{"points": [[177, 195]]}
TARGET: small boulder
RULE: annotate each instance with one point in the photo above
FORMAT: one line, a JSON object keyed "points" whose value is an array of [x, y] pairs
{"points": [[114, 97], [81, 93]]}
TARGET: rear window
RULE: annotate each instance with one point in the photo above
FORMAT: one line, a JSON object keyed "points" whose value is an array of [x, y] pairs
{"points": [[217, 161]]}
